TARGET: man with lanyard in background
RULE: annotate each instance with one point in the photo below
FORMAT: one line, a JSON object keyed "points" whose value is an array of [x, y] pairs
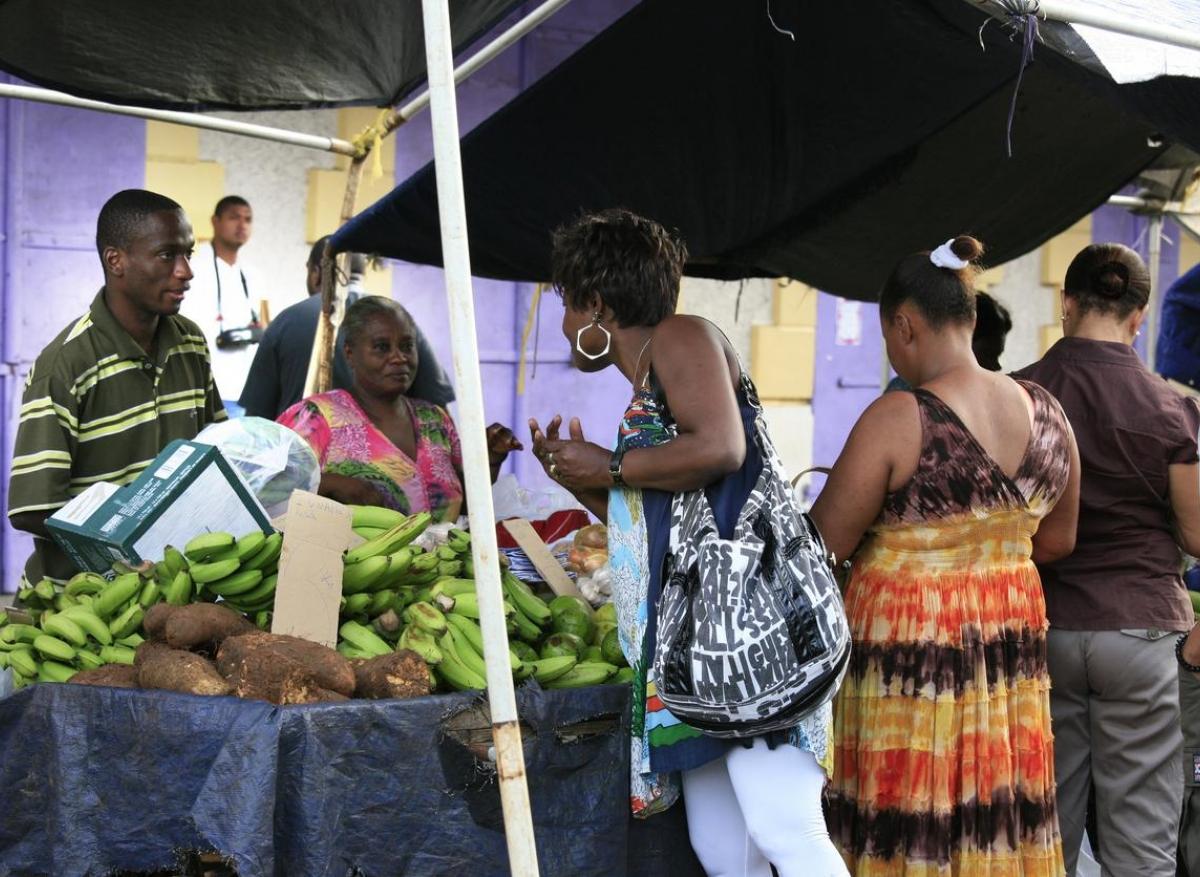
{"points": [[221, 302]]}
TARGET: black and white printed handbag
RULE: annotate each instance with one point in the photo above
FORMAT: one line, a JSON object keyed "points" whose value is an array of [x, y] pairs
{"points": [[752, 634]]}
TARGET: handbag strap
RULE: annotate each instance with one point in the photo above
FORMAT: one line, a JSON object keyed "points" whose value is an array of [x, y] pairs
{"points": [[820, 470]]}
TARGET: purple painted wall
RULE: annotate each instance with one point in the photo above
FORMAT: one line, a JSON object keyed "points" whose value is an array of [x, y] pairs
{"points": [[502, 307], [59, 167], [848, 369]]}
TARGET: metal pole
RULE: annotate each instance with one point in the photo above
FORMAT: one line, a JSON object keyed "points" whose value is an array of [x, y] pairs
{"points": [[1137, 203], [1156, 231], [194, 120], [456, 256], [1072, 12], [483, 56]]}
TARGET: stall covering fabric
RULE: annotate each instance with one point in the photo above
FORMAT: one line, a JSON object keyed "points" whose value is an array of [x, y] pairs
{"points": [[225, 54], [878, 130], [103, 779]]}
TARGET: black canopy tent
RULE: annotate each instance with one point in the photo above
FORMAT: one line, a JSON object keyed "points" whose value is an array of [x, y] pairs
{"points": [[878, 131], [225, 54]]}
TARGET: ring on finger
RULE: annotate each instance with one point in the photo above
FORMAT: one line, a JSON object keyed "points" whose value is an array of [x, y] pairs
{"points": [[550, 457], [554, 471]]}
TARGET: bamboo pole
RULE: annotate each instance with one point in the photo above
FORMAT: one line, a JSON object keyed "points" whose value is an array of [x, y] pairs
{"points": [[320, 363], [506, 733]]}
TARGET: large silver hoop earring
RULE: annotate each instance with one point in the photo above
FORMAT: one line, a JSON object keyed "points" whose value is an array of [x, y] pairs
{"points": [[595, 324]]}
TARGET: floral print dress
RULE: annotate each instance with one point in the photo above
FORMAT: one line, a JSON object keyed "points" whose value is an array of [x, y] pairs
{"points": [[348, 443]]}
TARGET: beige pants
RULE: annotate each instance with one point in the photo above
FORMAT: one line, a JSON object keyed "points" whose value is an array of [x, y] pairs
{"points": [[1114, 699]]}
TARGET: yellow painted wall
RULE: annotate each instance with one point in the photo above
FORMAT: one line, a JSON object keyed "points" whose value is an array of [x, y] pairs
{"points": [[327, 189], [783, 355], [1058, 252], [174, 169], [1189, 252]]}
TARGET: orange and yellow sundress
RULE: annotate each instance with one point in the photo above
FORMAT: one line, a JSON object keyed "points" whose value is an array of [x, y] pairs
{"points": [[943, 751]]}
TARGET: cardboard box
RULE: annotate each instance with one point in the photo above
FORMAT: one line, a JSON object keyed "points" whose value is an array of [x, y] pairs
{"points": [[309, 593], [189, 489]]}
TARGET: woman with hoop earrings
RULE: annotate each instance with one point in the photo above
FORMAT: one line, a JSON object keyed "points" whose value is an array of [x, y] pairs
{"points": [[690, 424]]}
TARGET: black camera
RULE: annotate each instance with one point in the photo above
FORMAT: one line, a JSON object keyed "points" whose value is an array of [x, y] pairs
{"points": [[232, 338]]}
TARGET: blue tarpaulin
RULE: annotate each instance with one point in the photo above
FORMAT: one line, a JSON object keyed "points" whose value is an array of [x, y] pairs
{"points": [[99, 779]]}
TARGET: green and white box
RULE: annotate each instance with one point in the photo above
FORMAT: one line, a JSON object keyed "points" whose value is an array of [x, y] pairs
{"points": [[189, 489]]}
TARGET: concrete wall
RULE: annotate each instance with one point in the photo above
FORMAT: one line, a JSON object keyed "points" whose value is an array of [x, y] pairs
{"points": [[273, 177]]}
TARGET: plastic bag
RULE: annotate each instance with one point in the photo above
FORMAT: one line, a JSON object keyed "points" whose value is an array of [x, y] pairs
{"points": [[273, 459], [511, 500]]}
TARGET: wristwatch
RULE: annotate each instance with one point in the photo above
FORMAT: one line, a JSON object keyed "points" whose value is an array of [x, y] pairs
{"points": [[614, 467], [1179, 654]]}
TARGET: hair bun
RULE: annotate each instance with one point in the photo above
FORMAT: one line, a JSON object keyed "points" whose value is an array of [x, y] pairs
{"points": [[967, 248], [1111, 280]]}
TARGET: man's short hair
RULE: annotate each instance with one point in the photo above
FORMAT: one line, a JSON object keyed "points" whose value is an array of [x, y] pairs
{"points": [[229, 201], [123, 214]]}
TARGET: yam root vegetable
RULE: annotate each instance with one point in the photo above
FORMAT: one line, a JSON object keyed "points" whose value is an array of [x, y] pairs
{"points": [[175, 670], [279, 679], [112, 675], [324, 695], [146, 649], [325, 668], [155, 621], [203, 624], [398, 674]]}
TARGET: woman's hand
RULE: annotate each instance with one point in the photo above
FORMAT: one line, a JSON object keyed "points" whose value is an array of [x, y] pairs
{"points": [[348, 490], [500, 442], [575, 463]]}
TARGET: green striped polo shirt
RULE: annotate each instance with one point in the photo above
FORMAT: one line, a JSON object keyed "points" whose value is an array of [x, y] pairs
{"points": [[97, 407]]}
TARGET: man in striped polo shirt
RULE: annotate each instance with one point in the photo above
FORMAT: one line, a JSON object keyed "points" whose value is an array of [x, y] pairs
{"points": [[120, 382]]}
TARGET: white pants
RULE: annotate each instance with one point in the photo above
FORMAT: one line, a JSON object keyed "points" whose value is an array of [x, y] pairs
{"points": [[759, 807]]}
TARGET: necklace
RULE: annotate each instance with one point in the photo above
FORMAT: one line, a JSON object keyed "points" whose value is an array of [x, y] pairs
{"points": [[638, 365]]}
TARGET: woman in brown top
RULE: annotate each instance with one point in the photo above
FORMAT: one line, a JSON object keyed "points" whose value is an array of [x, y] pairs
{"points": [[1115, 602]]}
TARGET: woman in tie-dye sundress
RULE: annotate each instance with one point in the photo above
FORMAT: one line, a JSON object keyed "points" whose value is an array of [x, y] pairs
{"points": [[943, 498]]}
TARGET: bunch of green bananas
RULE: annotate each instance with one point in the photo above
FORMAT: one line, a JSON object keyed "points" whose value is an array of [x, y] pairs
{"points": [[440, 622], [92, 622], [241, 572], [383, 561]]}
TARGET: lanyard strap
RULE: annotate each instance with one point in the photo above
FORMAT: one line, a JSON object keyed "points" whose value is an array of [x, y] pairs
{"points": [[245, 289]]}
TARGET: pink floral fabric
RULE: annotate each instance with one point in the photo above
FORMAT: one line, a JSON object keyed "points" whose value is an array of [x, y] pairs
{"points": [[348, 443]]}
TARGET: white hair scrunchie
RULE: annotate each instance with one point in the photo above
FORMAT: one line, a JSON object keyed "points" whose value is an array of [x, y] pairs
{"points": [[945, 257]]}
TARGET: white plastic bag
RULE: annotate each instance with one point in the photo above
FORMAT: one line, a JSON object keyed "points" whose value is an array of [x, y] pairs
{"points": [[511, 500], [272, 459]]}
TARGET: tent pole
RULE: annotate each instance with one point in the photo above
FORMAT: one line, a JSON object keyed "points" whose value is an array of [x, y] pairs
{"points": [[506, 733], [1151, 324], [1137, 202], [478, 60], [1072, 12], [1091, 15], [194, 120]]}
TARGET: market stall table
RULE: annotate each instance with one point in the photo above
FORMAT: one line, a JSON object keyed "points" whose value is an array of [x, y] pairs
{"points": [[103, 778]]}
